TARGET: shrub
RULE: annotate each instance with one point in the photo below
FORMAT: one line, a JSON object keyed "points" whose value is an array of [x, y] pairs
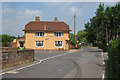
{"points": [[20, 48], [6, 44], [79, 46], [100, 44], [113, 64]]}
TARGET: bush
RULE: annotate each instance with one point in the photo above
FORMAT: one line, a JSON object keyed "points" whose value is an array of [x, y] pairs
{"points": [[113, 64], [20, 48], [104, 45], [79, 46], [6, 44], [100, 44]]}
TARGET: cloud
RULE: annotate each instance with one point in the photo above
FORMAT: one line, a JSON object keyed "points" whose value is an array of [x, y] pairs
{"points": [[73, 9], [33, 12], [7, 10]]}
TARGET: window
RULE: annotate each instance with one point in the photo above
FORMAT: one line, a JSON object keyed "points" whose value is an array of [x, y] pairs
{"points": [[58, 43], [58, 34], [39, 34], [39, 43]]}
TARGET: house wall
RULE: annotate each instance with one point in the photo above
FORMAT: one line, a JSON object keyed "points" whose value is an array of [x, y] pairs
{"points": [[16, 43], [49, 44]]}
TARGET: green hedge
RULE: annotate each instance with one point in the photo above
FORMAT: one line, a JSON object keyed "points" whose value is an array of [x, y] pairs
{"points": [[102, 45], [6, 44], [79, 46], [113, 63], [20, 48]]}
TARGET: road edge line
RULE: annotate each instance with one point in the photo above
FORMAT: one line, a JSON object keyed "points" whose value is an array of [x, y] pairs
{"points": [[40, 61]]}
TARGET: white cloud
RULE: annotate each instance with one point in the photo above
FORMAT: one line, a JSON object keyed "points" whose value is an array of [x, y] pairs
{"points": [[33, 12], [73, 9], [7, 10]]}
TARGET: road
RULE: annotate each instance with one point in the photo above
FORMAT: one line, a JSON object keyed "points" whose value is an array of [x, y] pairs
{"points": [[85, 63]]}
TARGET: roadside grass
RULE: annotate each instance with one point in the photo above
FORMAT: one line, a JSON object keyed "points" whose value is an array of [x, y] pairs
{"points": [[93, 47]]}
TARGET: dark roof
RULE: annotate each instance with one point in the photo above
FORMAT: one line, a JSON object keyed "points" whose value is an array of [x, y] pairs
{"points": [[50, 26]]}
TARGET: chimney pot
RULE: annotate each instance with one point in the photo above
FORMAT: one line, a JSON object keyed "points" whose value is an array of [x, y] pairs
{"points": [[37, 18], [55, 19]]}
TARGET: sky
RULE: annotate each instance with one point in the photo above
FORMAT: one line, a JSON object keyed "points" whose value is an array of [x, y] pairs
{"points": [[16, 14]]}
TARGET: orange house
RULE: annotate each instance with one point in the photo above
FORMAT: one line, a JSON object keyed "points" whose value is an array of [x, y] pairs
{"points": [[45, 35]]}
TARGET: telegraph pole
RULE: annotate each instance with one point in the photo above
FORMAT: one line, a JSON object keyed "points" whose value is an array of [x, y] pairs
{"points": [[74, 22]]}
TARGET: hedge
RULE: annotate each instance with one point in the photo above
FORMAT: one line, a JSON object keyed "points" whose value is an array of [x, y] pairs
{"points": [[102, 45], [113, 63]]}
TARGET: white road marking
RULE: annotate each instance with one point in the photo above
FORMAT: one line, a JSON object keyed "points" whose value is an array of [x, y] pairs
{"points": [[15, 70], [103, 75]]}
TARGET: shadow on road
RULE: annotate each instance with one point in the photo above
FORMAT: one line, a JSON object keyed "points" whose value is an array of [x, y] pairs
{"points": [[78, 69], [96, 51]]}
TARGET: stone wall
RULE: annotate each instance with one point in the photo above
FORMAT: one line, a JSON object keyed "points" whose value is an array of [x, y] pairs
{"points": [[16, 57]]}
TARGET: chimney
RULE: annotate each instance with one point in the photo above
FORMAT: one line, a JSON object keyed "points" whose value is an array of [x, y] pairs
{"points": [[55, 19], [37, 18], [45, 27]]}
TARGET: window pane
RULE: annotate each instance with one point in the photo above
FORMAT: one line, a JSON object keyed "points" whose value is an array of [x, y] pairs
{"points": [[43, 33], [59, 33], [62, 33], [36, 33], [39, 43], [40, 33], [58, 43], [55, 34]]}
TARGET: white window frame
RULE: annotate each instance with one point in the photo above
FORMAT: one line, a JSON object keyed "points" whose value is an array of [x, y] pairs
{"points": [[39, 41], [59, 34], [39, 34], [59, 46]]}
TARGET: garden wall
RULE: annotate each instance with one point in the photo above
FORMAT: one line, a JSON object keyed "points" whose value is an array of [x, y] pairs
{"points": [[16, 57]]}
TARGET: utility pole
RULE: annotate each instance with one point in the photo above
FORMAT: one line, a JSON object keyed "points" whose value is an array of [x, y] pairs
{"points": [[74, 22], [106, 35]]}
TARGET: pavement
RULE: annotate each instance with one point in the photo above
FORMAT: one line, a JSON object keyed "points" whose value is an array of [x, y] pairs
{"points": [[84, 63]]}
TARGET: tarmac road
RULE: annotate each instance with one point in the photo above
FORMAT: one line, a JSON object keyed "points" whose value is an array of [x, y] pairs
{"points": [[85, 63]]}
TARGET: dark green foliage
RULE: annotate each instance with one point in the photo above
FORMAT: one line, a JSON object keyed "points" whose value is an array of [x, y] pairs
{"points": [[81, 36], [7, 38], [113, 64], [79, 46], [73, 40], [100, 44], [104, 26], [104, 45], [19, 48], [6, 44]]}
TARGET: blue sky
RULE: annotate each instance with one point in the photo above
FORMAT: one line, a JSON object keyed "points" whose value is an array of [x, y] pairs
{"points": [[16, 14]]}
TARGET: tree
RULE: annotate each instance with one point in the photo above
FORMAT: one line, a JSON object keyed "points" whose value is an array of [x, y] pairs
{"points": [[7, 38], [81, 36], [90, 33], [73, 40]]}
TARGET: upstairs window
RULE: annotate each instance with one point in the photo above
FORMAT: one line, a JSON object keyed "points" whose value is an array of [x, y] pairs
{"points": [[58, 43], [39, 34], [39, 43], [58, 34]]}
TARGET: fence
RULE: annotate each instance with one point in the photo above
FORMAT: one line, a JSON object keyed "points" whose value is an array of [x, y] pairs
{"points": [[16, 57]]}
